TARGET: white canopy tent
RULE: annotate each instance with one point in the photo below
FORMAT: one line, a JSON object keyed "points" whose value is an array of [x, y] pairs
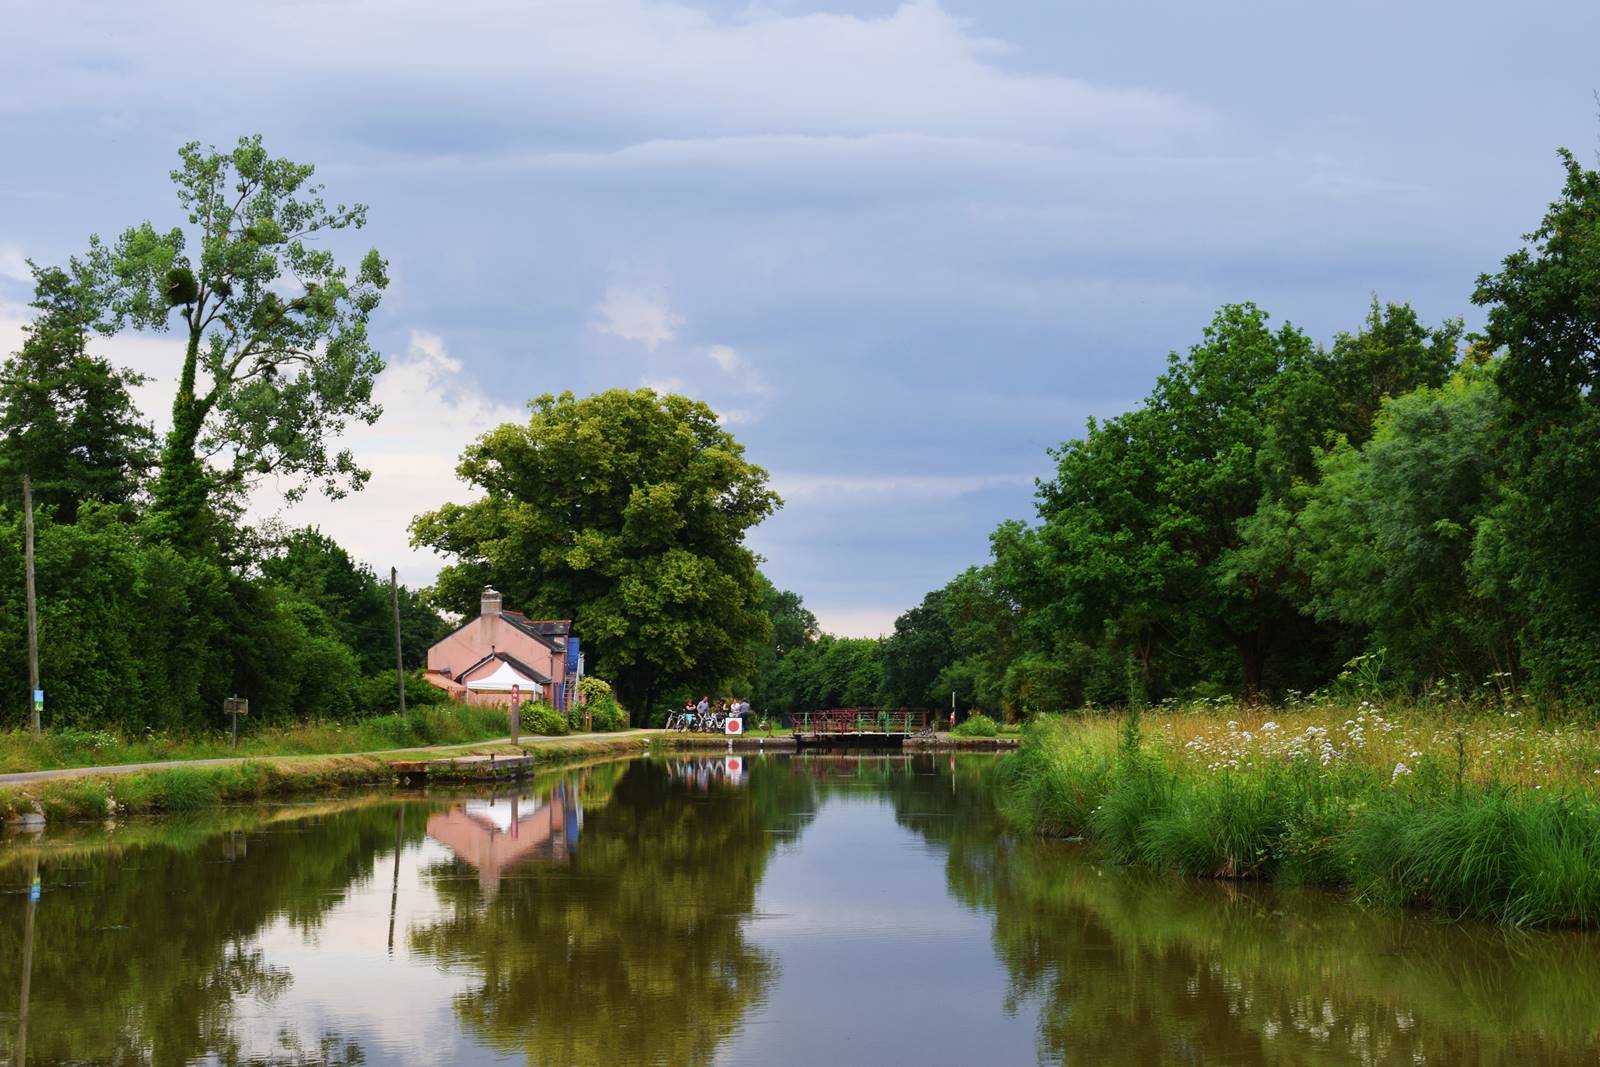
{"points": [[503, 679]]}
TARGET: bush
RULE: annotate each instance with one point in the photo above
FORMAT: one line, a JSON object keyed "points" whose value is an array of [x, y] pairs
{"points": [[977, 725], [600, 706], [541, 718]]}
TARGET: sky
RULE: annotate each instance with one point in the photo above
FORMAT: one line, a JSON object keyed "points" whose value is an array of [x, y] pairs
{"points": [[901, 248]]}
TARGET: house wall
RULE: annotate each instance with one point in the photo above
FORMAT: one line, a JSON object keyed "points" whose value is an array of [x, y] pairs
{"points": [[491, 633]]}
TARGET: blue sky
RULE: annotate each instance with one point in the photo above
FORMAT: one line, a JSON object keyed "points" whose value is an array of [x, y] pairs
{"points": [[902, 248]]}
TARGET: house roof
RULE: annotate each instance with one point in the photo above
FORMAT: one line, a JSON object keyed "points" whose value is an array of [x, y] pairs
{"points": [[512, 671], [550, 631]]}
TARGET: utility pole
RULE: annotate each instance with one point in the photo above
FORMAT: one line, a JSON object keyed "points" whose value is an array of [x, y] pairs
{"points": [[399, 659], [33, 606]]}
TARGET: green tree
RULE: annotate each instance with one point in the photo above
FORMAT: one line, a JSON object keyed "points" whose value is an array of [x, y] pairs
{"points": [[626, 512], [1386, 534], [1535, 549], [276, 356], [921, 646], [309, 566], [66, 418]]}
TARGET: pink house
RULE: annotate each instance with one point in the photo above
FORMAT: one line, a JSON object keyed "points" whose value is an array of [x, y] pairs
{"points": [[486, 656]]}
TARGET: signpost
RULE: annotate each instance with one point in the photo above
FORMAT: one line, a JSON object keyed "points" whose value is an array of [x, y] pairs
{"points": [[235, 707], [516, 712]]}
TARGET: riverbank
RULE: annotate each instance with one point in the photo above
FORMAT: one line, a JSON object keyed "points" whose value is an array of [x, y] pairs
{"points": [[98, 793], [1489, 818], [423, 725]]}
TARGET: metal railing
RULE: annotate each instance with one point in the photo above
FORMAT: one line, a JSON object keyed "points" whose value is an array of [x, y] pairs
{"points": [[864, 720]]}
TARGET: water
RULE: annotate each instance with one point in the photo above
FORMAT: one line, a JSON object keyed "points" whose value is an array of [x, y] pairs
{"points": [[832, 910]]}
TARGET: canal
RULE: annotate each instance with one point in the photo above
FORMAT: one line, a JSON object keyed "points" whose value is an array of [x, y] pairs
{"points": [[806, 910]]}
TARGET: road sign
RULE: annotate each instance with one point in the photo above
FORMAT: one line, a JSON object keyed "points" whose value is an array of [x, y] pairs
{"points": [[516, 714], [235, 707], [734, 726], [38, 699]]}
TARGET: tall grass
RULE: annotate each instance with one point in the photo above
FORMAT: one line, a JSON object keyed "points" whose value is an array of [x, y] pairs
{"points": [[1430, 836]]}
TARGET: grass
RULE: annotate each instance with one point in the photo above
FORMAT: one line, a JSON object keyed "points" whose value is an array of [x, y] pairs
{"points": [[1485, 818], [184, 789], [429, 724]]}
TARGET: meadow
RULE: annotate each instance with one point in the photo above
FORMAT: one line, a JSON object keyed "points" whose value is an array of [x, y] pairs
{"points": [[1468, 814]]}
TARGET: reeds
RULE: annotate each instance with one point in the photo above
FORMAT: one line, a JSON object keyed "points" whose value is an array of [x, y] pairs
{"points": [[1430, 834]]}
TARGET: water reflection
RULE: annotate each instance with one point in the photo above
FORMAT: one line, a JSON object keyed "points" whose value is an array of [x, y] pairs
{"points": [[746, 909], [492, 835]]}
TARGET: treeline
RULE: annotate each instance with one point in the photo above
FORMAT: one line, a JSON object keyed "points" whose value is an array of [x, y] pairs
{"points": [[156, 599], [1408, 504]]}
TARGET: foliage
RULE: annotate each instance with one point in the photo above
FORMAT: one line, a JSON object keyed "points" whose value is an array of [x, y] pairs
{"points": [[599, 706], [66, 417], [977, 725], [277, 360], [543, 718], [626, 512], [1406, 812]]}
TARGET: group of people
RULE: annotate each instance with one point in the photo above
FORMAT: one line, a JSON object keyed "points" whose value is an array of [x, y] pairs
{"points": [[699, 715]]}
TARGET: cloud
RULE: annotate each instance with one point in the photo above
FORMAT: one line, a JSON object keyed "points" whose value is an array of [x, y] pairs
{"points": [[922, 486], [635, 315], [603, 70], [725, 357], [663, 385], [431, 411], [14, 265]]}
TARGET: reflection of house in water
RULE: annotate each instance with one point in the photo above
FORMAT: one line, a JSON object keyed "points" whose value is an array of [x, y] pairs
{"points": [[494, 835]]}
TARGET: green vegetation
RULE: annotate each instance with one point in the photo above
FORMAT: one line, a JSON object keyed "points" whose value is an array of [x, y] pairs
{"points": [[181, 789], [433, 724], [625, 512], [1486, 818], [977, 725]]}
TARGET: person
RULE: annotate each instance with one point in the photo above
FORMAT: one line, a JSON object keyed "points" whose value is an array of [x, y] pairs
{"points": [[702, 709], [686, 716]]}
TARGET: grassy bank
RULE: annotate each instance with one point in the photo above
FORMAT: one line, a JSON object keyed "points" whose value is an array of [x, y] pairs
{"points": [[1490, 818], [429, 724], [183, 789]]}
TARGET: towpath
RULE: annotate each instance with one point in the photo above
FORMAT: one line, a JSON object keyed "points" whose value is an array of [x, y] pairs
{"points": [[24, 777]]}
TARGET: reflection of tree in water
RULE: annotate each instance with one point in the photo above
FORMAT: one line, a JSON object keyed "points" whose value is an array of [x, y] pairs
{"points": [[1142, 968], [636, 952], [139, 953], [1131, 967]]}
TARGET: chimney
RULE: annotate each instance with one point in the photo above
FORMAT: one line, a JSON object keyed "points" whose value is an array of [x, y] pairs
{"points": [[490, 604]]}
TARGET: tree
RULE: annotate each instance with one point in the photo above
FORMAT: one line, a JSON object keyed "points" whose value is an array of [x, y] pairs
{"points": [[921, 646], [276, 357], [311, 567], [1386, 534], [626, 512], [66, 418], [1535, 548]]}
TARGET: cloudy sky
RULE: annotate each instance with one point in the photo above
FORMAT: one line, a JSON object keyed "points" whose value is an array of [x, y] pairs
{"points": [[902, 248]]}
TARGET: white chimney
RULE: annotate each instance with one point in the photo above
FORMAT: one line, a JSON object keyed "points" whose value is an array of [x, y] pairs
{"points": [[490, 604]]}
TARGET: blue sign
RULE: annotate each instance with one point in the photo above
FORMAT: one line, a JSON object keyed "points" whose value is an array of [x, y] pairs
{"points": [[38, 698], [572, 653]]}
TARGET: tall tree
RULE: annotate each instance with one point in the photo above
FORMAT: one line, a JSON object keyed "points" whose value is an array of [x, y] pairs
{"points": [[276, 355], [66, 417], [626, 512], [1535, 549]]}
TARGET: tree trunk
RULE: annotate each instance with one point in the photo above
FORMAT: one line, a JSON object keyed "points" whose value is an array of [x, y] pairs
{"points": [[1251, 662], [180, 492]]}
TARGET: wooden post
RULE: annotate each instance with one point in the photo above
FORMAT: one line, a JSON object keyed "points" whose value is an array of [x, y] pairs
{"points": [[235, 706], [394, 891], [33, 605], [399, 659]]}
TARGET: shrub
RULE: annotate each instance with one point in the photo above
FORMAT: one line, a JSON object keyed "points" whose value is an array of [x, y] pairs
{"points": [[541, 718], [977, 725]]}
